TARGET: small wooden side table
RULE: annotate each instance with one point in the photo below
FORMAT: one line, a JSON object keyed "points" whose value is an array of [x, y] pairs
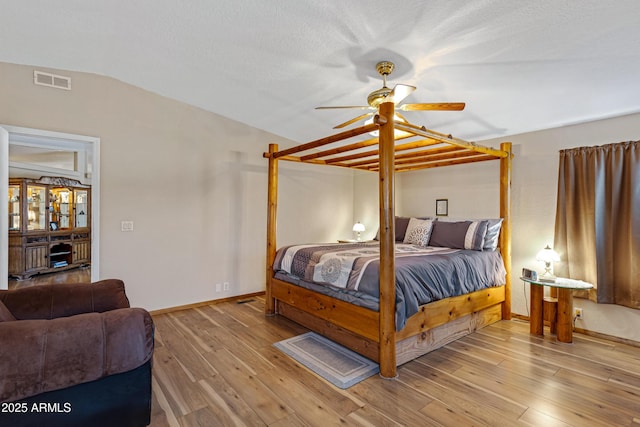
{"points": [[564, 314]]}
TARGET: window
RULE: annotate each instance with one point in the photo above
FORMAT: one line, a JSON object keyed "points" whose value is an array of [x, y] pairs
{"points": [[34, 156], [47, 157]]}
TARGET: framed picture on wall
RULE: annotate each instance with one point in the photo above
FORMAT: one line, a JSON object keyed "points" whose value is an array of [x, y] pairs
{"points": [[442, 207]]}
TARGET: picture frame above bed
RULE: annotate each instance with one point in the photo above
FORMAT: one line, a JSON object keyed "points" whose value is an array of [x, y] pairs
{"points": [[373, 333], [442, 207]]}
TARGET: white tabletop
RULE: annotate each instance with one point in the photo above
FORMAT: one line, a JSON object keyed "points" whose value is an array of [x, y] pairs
{"points": [[561, 282]]}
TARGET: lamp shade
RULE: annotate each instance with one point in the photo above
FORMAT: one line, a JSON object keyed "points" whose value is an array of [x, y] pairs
{"points": [[358, 227], [548, 255]]}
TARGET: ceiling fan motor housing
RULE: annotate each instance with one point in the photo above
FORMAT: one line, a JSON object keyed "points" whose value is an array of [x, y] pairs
{"points": [[385, 68]]}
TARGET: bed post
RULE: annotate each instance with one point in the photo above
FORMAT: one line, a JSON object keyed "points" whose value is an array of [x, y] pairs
{"points": [[505, 235], [272, 208], [387, 334]]}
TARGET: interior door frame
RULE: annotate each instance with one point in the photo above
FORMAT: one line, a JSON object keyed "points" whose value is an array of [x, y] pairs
{"points": [[4, 208], [94, 142]]}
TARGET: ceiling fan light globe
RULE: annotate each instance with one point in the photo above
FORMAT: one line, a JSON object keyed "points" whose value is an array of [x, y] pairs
{"points": [[377, 97], [396, 133]]}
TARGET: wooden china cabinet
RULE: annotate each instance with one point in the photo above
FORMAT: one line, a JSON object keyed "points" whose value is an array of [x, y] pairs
{"points": [[49, 225]]}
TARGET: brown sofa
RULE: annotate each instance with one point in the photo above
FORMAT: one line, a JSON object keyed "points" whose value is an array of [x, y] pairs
{"points": [[74, 354]]}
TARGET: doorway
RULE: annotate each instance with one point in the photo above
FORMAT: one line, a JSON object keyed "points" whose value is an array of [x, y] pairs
{"points": [[86, 169]]}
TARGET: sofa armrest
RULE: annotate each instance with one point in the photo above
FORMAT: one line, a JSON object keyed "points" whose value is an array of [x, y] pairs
{"points": [[39, 355], [65, 299]]}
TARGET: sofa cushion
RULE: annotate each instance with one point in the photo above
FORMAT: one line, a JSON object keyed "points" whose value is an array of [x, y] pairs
{"points": [[52, 301], [58, 353], [5, 314]]}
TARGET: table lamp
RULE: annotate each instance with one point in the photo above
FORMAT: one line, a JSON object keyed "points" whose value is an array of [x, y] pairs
{"points": [[358, 228], [548, 255]]}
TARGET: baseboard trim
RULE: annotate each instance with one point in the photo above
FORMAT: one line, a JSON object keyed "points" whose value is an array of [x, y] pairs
{"points": [[590, 333], [520, 317], [607, 337], [203, 303]]}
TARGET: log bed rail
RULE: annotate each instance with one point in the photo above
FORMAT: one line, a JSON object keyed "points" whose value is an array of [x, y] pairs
{"points": [[386, 154]]}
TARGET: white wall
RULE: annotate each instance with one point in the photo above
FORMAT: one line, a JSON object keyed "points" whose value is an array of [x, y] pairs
{"points": [[193, 182], [473, 192], [366, 202], [315, 204]]}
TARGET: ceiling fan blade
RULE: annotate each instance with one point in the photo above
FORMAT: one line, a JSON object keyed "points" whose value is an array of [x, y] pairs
{"points": [[400, 92], [347, 123], [401, 117], [446, 106], [361, 107]]}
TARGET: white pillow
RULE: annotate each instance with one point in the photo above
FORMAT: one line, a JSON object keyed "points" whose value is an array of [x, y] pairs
{"points": [[493, 232], [418, 232]]}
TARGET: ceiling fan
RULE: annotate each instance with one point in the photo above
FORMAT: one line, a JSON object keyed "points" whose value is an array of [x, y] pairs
{"points": [[395, 95]]}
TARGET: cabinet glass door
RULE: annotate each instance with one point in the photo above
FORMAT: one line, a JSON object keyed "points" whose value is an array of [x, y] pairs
{"points": [[81, 208], [61, 206], [14, 207], [36, 208]]}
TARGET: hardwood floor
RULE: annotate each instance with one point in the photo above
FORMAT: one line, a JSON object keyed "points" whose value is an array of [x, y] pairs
{"points": [[76, 275], [215, 365]]}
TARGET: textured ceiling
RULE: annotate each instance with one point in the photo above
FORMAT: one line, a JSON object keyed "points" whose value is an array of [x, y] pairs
{"points": [[519, 65]]}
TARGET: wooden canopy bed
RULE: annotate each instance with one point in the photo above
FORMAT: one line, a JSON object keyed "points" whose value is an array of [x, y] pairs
{"points": [[369, 332]]}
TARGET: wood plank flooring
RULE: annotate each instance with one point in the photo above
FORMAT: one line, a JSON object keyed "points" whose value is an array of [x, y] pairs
{"points": [[216, 366], [76, 275]]}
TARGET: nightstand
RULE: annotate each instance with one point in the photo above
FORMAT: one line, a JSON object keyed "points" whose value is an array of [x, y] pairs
{"points": [[563, 316]]}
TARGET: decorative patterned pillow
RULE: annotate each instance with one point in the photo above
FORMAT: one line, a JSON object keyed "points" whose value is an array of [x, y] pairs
{"points": [[5, 314], [402, 223], [418, 232], [459, 235]]}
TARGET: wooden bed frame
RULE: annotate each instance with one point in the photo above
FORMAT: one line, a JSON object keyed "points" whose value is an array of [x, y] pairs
{"points": [[372, 333]]}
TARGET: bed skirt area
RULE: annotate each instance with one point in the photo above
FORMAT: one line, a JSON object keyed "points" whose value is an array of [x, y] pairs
{"points": [[436, 324]]}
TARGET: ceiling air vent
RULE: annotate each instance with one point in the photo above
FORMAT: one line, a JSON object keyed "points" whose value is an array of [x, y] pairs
{"points": [[52, 80]]}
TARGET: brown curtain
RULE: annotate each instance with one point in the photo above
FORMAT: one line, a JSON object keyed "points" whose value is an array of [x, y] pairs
{"points": [[597, 231]]}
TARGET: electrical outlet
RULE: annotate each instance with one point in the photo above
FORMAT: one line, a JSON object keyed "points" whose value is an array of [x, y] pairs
{"points": [[577, 312], [218, 287], [126, 225], [225, 286]]}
